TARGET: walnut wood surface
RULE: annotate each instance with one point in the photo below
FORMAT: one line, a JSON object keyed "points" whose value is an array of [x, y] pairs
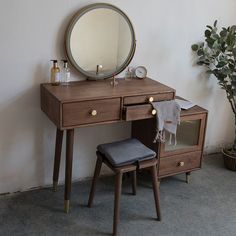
{"points": [[137, 112], [89, 90], [69, 106], [119, 171], [51, 106], [145, 131], [145, 98], [76, 113], [57, 157], [171, 164]]}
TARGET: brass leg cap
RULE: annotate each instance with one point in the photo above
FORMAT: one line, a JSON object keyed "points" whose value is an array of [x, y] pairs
{"points": [[67, 206], [55, 184]]}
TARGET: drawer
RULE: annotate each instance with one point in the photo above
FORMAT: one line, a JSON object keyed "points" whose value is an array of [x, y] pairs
{"points": [[145, 98], [179, 163], [138, 112], [88, 112]]}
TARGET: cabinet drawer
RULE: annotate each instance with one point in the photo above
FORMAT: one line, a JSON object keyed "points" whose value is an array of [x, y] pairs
{"points": [[138, 112], [145, 98], [88, 112], [179, 163]]}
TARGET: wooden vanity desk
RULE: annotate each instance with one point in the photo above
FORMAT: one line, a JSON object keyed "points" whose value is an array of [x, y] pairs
{"points": [[88, 103]]}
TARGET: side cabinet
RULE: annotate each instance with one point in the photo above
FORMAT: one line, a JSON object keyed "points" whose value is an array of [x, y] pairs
{"points": [[186, 155]]}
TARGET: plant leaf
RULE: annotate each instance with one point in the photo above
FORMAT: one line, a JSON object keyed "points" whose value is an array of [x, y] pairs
{"points": [[208, 33], [233, 28], [215, 23], [194, 47], [200, 52], [200, 63], [223, 33], [209, 27], [210, 42], [234, 52]]}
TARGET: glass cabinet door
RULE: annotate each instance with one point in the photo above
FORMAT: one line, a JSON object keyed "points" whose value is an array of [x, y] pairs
{"points": [[189, 136], [186, 136]]}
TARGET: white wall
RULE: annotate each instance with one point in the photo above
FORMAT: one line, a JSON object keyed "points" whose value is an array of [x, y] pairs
{"points": [[32, 33]]}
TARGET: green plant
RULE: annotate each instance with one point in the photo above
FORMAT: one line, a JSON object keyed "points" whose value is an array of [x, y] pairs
{"points": [[218, 54]]}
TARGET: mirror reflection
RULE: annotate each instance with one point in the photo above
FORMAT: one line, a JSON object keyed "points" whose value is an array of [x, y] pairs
{"points": [[101, 42]]}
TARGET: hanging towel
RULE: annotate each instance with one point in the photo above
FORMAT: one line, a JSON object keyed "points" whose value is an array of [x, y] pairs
{"points": [[167, 119]]}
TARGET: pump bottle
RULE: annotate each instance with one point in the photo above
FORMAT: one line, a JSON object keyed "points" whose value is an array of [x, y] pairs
{"points": [[65, 72], [55, 73]]}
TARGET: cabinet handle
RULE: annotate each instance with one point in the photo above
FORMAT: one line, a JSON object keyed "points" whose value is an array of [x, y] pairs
{"points": [[94, 113], [181, 163], [154, 112], [151, 99]]}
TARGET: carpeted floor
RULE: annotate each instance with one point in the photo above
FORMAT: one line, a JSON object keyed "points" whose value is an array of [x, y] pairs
{"points": [[206, 206]]}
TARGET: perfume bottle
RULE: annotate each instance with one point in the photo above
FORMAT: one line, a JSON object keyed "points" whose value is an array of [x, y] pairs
{"points": [[128, 73], [65, 73], [55, 73]]}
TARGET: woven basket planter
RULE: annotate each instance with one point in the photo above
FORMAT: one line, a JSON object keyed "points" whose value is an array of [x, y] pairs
{"points": [[229, 161]]}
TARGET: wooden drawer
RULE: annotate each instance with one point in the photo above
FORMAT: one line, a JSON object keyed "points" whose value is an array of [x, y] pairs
{"points": [[137, 112], [179, 163], [79, 113], [145, 98]]}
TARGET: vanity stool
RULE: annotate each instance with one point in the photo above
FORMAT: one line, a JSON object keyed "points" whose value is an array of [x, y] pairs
{"points": [[123, 157]]}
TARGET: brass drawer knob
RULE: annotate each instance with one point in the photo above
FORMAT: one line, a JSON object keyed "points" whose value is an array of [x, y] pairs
{"points": [[94, 113], [181, 163], [154, 112], [151, 99]]}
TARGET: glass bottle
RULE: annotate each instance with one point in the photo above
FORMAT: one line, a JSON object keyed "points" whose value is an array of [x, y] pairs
{"points": [[55, 73], [128, 73], [65, 73]]}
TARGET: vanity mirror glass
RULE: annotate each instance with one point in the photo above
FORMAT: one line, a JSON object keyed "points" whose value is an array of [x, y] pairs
{"points": [[100, 41]]}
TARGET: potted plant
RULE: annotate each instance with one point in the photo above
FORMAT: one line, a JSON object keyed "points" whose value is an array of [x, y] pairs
{"points": [[218, 54]]}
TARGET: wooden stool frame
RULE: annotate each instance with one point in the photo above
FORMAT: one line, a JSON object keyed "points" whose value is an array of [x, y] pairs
{"points": [[119, 171]]}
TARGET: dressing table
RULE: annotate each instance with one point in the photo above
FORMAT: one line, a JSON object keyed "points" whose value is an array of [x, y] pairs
{"points": [[99, 55], [88, 103]]}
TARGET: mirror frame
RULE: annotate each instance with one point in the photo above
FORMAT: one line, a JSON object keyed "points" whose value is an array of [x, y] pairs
{"points": [[72, 23]]}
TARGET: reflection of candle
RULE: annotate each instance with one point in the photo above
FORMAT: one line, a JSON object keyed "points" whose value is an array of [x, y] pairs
{"points": [[99, 67]]}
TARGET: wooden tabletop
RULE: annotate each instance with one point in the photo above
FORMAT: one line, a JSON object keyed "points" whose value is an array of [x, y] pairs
{"points": [[193, 110], [87, 90]]}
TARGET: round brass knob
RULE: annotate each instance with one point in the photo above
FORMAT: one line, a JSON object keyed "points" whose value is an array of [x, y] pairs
{"points": [[181, 163], [154, 112], [94, 113], [151, 99]]}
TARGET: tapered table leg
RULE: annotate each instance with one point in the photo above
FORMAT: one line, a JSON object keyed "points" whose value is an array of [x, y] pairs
{"points": [[57, 158], [68, 171]]}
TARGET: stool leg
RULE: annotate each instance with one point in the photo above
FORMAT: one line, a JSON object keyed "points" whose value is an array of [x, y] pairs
{"points": [[118, 187], [134, 182], [94, 182], [156, 191]]}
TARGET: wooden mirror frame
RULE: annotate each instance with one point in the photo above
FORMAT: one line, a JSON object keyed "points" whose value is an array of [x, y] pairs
{"points": [[74, 20]]}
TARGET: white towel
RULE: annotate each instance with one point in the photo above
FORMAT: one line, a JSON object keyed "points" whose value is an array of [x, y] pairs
{"points": [[168, 117]]}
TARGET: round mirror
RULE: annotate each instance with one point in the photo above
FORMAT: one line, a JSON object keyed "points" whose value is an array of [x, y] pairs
{"points": [[100, 41]]}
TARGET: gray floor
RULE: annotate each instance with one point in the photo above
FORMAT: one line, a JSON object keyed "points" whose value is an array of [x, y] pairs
{"points": [[207, 206]]}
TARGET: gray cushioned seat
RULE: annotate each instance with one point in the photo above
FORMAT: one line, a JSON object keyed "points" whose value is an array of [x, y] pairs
{"points": [[125, 152]]}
